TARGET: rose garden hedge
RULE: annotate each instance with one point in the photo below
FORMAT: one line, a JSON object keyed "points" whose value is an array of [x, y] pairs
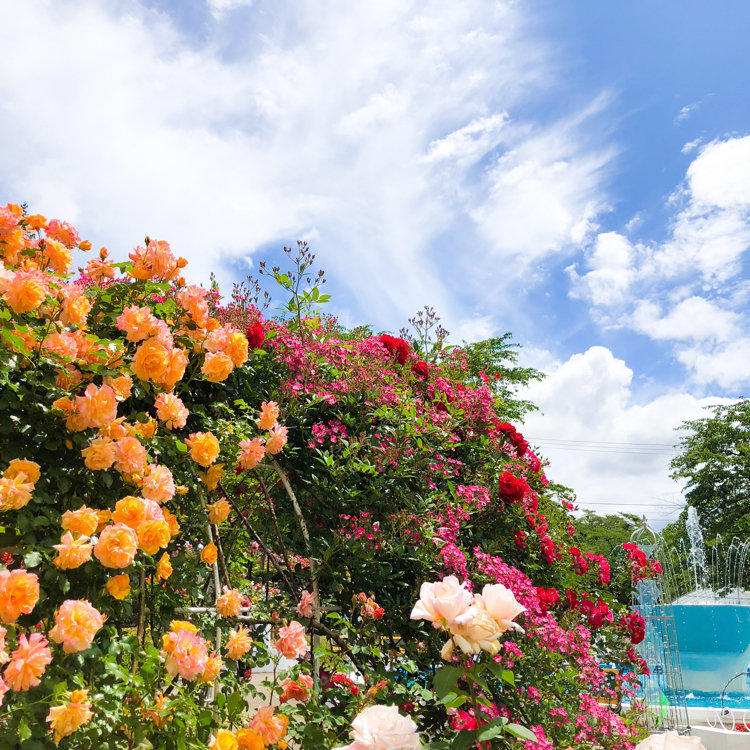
{"points": [[192, 491]]}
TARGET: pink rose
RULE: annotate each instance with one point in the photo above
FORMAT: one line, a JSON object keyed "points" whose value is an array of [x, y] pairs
{"points": [[442, 603], [305, 606], [292, 642], [383, 728]]}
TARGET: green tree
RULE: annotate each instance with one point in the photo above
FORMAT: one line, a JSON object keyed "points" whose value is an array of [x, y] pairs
{"points": [[715, 461], [603, 535]]}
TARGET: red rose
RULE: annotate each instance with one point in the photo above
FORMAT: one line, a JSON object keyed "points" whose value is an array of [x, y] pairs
{"points": [[511, 488], [419, 369], [255, 335], [397, 347]]}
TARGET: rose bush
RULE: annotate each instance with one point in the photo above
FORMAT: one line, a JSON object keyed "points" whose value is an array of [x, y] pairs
{"points": [[191, 491]]}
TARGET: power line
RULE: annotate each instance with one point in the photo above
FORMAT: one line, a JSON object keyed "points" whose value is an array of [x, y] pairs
{"points": [[599, 442]]}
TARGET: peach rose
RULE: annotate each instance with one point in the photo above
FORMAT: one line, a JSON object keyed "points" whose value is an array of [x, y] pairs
{"points": [[163, 567], [269, 413], [15, 493], [252, 452], [379, 727], [75, 306], [442, 603], [276, 439], [186, 654], [98, 270], [62, 344], [72, 552], [239, 642], [153, 536], [176, 364], [501, 604], [269, 725], [217, 367], [296, 690], [137, 322], [477, 632], [119, 586], [19, 593], [171, 411], [291, 642], [219, 511], [117, 546], [204, 448], [28, 662], [229, 603], [63, 232], [76, 624], [209, 553], [158, 484], [83, 521], [305, 604], [130, 456], [100, 454], [66, 719], [98, 406], [26, 291]]}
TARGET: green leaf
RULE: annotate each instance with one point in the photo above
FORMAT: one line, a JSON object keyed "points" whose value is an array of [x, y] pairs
{"points": [[517, 730], [32, 559], [445, 679], [509, 677], [24, 732]]}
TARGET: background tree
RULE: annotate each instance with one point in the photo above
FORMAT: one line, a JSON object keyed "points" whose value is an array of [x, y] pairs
{"points": [[715, 461]]}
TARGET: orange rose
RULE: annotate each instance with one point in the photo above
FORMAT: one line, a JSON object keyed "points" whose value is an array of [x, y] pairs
{"points": [[204, 448], [65, 719], [117, 546], [209, 554], [151, 360], [276, 439], [163, 567], [298, 690], [57, 256], [171, 519], [100, 454], [121, 385], [212, 476], [291, 642], [252, 451], [84, 521], [75, 306], [223, 740], [248, 739], [72, 552], [219, 511], [76, 624], [176, 364], [217, 367], [214, 665], [238, 348], [30, 470], [229, 603], [153, 536], [119, 586], [19, 593], [26, 291], [130, 510], [239, 642]]}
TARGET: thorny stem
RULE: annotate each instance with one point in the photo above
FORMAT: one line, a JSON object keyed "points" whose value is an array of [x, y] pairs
{"points": [[284, 552], [313, 573], [269, 554]]}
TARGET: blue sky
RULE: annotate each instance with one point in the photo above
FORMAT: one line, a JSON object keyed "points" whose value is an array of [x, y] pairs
{"points": [[574, 172]]}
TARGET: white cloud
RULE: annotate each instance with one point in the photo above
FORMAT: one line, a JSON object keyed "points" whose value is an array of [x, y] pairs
{"points": [[611, 263], [362, 123], [725, 363], [695, 318], [686, 112], [612, 450]]}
